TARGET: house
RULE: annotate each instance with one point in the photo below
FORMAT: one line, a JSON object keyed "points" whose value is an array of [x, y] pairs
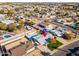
{"points": [[40, 39], [50, 26], [7, 21], [68, 21], [56, 32], [2, 16], [60, 20]]}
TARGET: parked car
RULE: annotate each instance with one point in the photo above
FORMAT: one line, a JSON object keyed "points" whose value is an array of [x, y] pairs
{"points": [[41, 25], [28, 27]]}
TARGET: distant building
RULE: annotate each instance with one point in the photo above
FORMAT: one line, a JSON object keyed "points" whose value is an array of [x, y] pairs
{"points": [[7, 21]]}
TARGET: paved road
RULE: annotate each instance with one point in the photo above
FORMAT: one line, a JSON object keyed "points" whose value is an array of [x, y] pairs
{"points": [[64, 26], [62, 40], [64, 50], [59, 24]]}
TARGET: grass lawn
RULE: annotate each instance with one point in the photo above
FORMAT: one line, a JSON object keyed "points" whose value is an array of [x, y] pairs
{"points": [[53, 46]]}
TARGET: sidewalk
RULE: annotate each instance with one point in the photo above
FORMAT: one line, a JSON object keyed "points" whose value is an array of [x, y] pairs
{"points": [[62, 40], [43, 48]]}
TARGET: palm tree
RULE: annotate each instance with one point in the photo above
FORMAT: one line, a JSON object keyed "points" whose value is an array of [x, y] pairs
{"points": [[53, 40]]}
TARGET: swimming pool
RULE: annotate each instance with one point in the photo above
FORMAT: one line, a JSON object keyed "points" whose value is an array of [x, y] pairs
{"points": [[7, 36]]}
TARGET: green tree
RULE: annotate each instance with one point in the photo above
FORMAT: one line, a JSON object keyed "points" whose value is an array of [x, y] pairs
{"points": [[40, 32], [1, 11], [36, 10], [3, 26], [10, 12], [21, 24], [67, 36], [12, 27], [32, 23]]}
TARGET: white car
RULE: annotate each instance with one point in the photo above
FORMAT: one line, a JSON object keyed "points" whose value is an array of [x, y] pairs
{"points": [[28, 27]]}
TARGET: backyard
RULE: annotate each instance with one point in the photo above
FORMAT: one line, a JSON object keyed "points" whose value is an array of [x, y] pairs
{"points": [[53, 46]]}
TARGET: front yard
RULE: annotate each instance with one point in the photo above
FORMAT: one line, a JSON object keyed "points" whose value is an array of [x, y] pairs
{"points": [[53, 46]]}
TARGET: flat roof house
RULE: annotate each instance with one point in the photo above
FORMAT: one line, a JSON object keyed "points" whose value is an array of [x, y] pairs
{"points": [[7, 21], [40, 39]]}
